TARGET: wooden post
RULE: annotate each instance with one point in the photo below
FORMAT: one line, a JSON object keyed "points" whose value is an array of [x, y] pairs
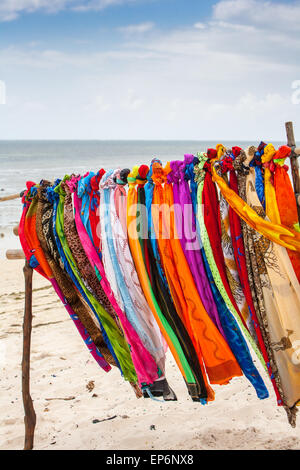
{"points": [[294, 162], [30, 416], [9, 198], [15, 254]]}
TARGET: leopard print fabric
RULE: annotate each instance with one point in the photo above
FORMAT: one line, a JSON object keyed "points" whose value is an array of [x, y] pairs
{"points": [[86, 270], [72, 297]]}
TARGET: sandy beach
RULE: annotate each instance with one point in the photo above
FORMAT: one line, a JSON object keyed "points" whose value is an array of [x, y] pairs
{"points": [[70, 392]]}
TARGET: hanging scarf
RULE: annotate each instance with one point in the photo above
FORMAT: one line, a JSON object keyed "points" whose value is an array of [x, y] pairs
{"points": [[232, 238], [255, 276], [164, 299], [211, 347], [286, 289], [256, 163], [152, 338], [136, 252], [94, 216], [212, 221], [286, 201], [72, 268], [233, 333], [44, 217], [29, 255], [145, 366], [274, 295], [277, 233], [32, 241], [186, 226]]}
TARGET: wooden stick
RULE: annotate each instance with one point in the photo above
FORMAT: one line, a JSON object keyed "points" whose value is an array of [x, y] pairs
{"points": [[16, 230], [30, 416], [9, 198], [294, 162], [15, 254]]}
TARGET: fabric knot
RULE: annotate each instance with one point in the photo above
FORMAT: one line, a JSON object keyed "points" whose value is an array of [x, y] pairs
{"points": [[221, 150], [122, 178], [226, 164], [256, 161], [211, 154], [268, 154], [261, 147], [107, 181], [199, 172], [174, 175], [207, 167], [29, 185], [272, 167], [282, 154], [50, 194], [95, 180], [73, 183], [239, 166], [132, 176], [158, 174], [120, 185], [236, 151], [84, 184], [149, 176], [59, 189], [189, 174], [141, 178]]}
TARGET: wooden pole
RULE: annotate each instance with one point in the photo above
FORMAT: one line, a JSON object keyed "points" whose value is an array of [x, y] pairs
{"points": [[30, 416], [16, 230], [15, 254], [9, 198], [294, 162]]}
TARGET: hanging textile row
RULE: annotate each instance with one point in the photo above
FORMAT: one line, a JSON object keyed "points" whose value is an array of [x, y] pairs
{"points": [[201, 256]]}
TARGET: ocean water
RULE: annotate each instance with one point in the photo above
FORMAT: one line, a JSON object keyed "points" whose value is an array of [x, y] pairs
{"points": [[22, 161]]}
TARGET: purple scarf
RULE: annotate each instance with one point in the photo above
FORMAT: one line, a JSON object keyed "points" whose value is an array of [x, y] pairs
{"points": [[187, 231]]}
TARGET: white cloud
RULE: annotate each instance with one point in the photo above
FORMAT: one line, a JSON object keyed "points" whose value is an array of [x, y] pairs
{"points": [[98, 104], [200, 25], [133, 102], [12, 9], [230, 77], [137, 28], [265, 14]]}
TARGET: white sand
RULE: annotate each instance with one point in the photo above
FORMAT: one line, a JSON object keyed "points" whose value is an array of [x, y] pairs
{"points": [[62, 367]]}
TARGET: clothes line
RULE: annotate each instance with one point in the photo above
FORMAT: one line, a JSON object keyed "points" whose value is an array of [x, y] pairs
{"points": [[201, 256]]}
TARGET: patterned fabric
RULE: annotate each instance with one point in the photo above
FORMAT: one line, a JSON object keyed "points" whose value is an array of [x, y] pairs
{"points": [[33, 243], [72, 301], [263, 268], [123, 361], [202, 256], [186, 227], [286, 201], [234, 336], [286, 289], [276, 233], [145, 366], [121, 348], [256, 271], [212, 350], [162, 293], [162, 322], [151, 337]]}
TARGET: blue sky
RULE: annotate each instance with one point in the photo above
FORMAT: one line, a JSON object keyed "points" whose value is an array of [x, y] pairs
{"points": [[149, 69]]}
